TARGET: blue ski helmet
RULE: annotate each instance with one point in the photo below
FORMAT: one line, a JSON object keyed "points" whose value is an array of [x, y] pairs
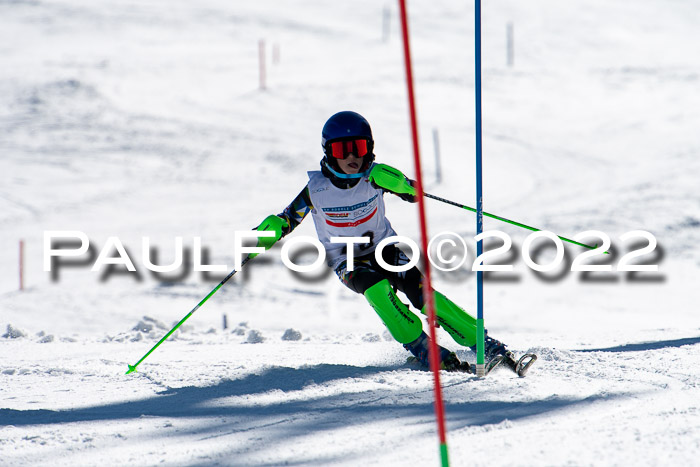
{"points": [[346, 126]]}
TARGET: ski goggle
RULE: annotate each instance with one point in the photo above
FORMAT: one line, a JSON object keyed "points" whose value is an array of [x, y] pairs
{"points": [[342, 149]]}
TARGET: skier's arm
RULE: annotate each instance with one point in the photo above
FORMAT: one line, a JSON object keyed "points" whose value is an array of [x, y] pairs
{"points": [[296, 211], [393, 181]]}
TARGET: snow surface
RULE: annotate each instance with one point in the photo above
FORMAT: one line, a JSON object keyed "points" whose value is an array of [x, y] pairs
{"points": [[135, 119]]}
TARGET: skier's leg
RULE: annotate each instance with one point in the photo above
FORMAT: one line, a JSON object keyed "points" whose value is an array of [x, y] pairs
{"points": [[462, 326], [405, 326], [410, 282], [457, 322]]}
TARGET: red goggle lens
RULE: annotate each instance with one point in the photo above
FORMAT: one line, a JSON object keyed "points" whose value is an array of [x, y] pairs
{"points": [[342, 149]]}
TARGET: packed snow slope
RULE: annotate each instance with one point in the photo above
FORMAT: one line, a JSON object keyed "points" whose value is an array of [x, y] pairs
{"points": [[145, 119]]}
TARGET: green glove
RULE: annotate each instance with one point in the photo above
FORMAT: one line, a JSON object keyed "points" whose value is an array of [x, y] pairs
{"points": [[274, 224], [391, 179]]}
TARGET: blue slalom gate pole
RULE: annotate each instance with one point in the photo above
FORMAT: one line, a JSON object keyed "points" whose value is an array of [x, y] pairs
{"points": [[480, 367]]}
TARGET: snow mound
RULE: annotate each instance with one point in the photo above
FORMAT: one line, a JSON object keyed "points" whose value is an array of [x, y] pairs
{"points": [[291, 335], [241, 329], [371, 337], [46, 339], [147, 324], [13, 333], [255, 337], [147, 327], [552, 355]]}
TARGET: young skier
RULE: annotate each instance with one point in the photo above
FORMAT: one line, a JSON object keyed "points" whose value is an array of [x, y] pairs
{"points": [[345, 199]]}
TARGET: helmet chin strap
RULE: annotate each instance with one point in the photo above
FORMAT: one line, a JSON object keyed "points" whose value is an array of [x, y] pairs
{"points": [[345, 176]]}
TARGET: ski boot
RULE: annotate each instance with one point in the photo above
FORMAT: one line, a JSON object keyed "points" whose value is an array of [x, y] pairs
{"points": [[448, 359]]}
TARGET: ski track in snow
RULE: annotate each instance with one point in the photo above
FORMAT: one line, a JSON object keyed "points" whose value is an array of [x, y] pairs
{"points": [[145, 120]]}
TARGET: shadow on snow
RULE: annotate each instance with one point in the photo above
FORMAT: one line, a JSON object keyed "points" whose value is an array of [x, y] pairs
{"points": [[264, 424], [646, 345]]}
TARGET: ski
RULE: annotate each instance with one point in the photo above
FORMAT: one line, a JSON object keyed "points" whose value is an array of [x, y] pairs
{"points": [[521, 365], [490, 365], [465, 367]]}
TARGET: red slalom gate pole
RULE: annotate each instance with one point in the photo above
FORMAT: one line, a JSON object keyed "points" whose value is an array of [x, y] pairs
{"points": [[427, 289]]}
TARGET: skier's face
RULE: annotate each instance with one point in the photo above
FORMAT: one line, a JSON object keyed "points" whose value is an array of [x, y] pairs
{"points": [[351, 164]]}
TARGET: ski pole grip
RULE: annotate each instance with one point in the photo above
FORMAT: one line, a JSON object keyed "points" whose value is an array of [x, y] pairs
{"points": [[391, 179], [273, 224]]}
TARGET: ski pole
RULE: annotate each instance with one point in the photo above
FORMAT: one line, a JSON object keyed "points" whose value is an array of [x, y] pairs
{"points": [[132, 368], [503, 219]]}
